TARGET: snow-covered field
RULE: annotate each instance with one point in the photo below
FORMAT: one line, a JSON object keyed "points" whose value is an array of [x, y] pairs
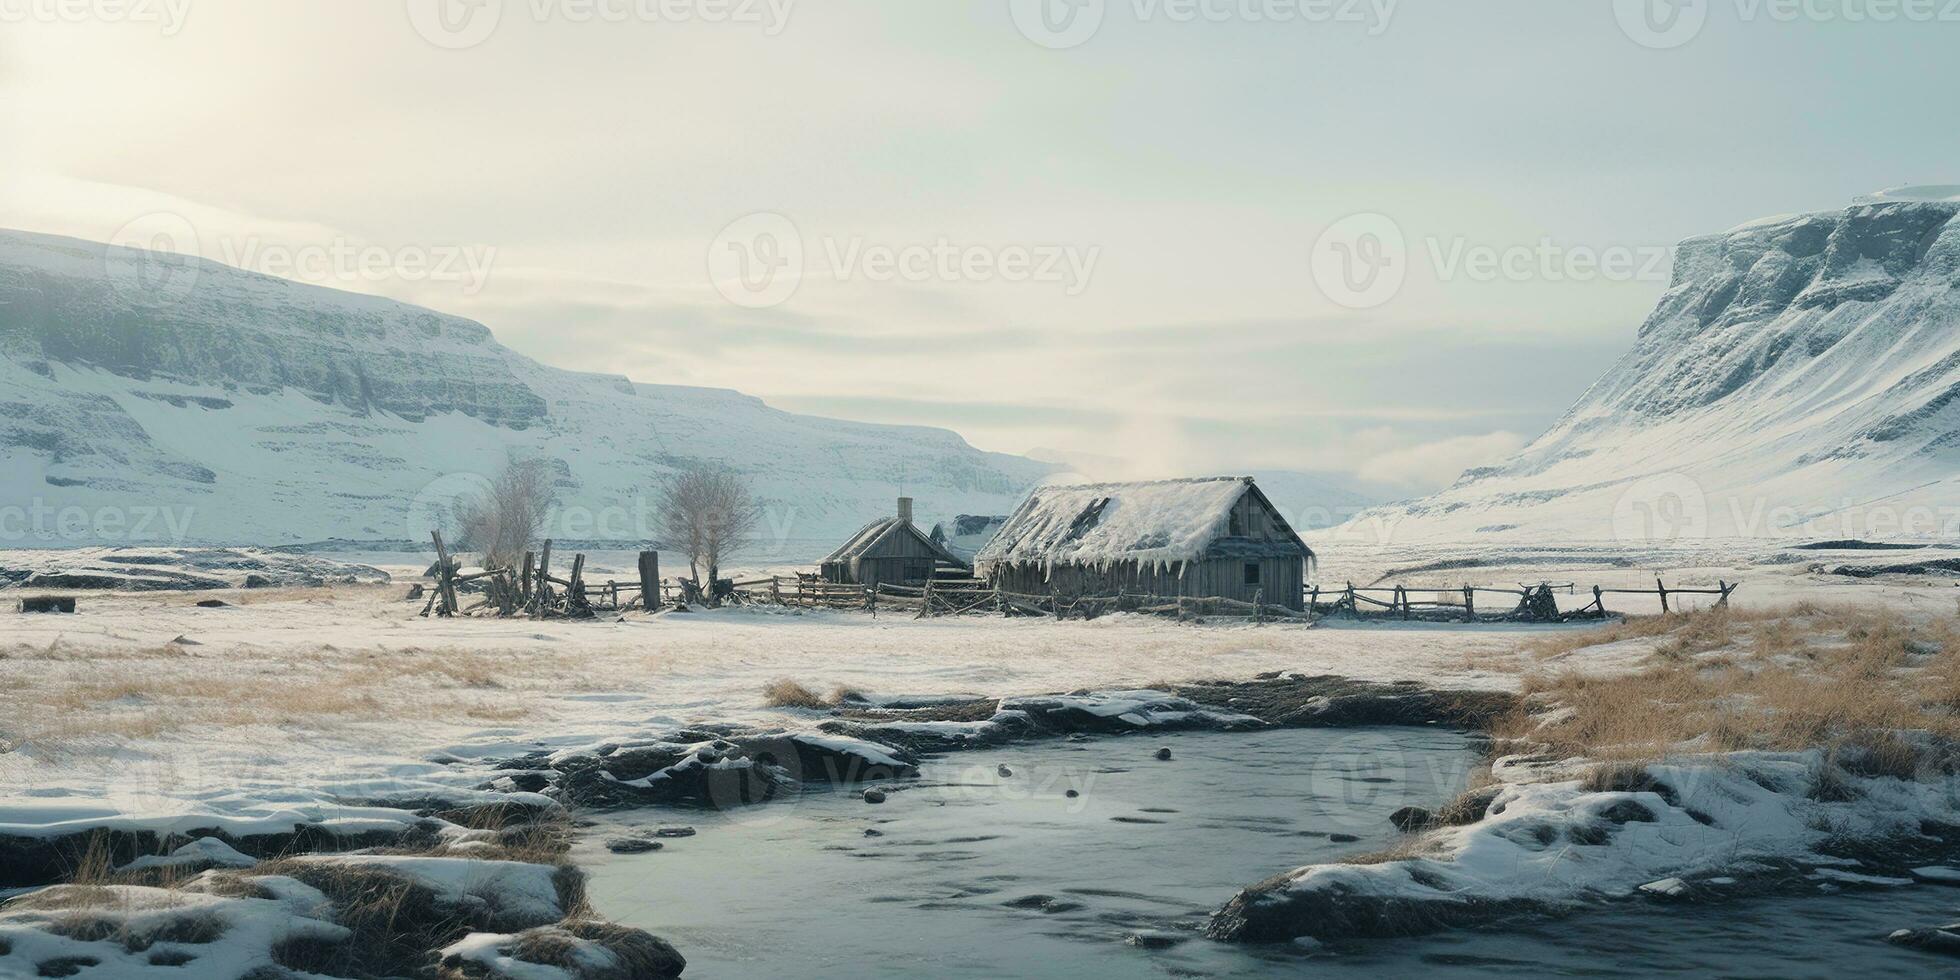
{"points": [[149, 704]]}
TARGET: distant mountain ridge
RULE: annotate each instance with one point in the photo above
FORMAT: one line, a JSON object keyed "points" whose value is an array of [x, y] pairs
{"points": [[1800, 376], [263, 411]]}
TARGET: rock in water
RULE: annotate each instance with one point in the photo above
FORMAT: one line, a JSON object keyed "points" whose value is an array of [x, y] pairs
{"points": [[1410, 819], [874, 796], [1004, 772], [1163, 755], [673, 832], [632, 845], [1945, 939], [1072, 794]]}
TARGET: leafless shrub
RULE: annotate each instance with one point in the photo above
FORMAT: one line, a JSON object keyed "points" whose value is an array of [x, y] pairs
{"points": [[706, 511], [503, 518]]}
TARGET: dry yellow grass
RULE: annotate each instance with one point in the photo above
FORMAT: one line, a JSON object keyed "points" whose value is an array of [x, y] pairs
{"points": [[1873, 687], [55, 695], [787, 693]]}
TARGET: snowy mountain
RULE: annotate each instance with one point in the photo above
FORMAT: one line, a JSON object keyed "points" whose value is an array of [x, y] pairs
{"points": [[212, 405], [1799, 378]]}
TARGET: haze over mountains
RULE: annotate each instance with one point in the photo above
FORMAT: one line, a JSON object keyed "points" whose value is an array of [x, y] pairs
{"points": [[1800, 378], [213, 405]]}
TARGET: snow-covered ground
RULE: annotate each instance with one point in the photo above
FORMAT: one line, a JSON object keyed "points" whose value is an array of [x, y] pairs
{"points": [[149, 704]]}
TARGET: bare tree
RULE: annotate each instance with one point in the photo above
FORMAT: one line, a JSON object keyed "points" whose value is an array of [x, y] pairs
{"points": [[502, 519], [706, 511]]}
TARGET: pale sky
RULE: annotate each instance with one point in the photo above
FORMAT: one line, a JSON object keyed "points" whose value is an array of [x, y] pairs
{"points": [[1135, 222]]}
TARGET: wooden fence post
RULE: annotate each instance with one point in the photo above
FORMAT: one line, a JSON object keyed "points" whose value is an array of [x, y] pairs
{"points": [[1469, 603], [1352, 608], [541, 595], [1259, 605], [1726, 589], [524, 577], [445, 578], [1663, 591], [650, 597]]}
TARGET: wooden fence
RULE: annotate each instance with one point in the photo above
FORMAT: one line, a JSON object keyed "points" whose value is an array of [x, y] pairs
{"points": [[1526, 603], [533, 590]]}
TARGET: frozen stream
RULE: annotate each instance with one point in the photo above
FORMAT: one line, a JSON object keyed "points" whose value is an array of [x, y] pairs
{"points": [[969, 873]]}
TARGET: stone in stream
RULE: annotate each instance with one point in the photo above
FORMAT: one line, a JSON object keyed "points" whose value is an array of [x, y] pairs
{"points": [[1072, 794], [1163, 755], [1945, 939], [874, 796], [673, 832], [632, 845], [1410, 819], [1153, 940], [1004, 772], [1343, 838]]}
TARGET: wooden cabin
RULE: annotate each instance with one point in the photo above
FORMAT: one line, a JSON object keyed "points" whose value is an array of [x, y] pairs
{"points": [[891, 551], [965, 535], [1202, 538]]}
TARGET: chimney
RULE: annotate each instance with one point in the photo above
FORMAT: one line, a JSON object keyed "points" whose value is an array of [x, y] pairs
{"points": [[905, 509]]}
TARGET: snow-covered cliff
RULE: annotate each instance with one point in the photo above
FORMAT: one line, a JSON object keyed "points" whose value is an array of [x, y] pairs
{"points": [[1800, 377], [219, 406]]}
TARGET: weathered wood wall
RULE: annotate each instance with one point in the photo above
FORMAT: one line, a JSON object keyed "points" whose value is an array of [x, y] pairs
{"points": [[1280, 580]]}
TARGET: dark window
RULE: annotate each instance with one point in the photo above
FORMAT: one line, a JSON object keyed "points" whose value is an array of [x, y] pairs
{"points": [[1252, 573]]}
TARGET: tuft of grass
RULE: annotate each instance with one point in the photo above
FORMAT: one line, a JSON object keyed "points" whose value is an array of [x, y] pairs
{"points": [[787, 693]]}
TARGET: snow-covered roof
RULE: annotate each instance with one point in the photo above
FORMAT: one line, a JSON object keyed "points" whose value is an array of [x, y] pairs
{"points": [[1162, 522], [867, 540]]}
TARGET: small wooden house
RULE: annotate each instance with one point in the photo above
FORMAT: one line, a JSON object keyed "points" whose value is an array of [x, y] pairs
{"points": [[965, 535], [890, 551], [1204, 538]]}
